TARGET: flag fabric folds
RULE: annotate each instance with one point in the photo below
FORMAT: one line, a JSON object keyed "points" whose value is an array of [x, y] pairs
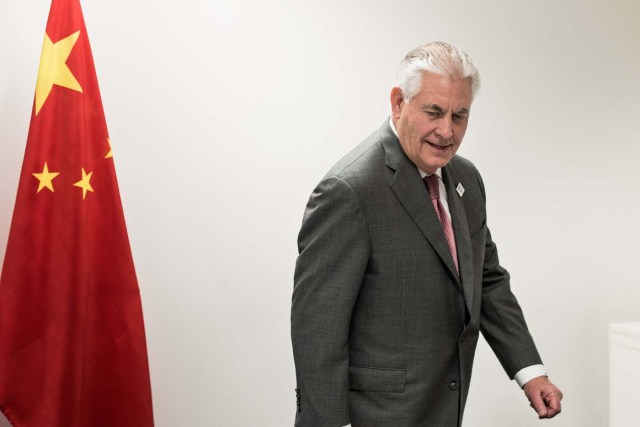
{"points": [[72, 342]]}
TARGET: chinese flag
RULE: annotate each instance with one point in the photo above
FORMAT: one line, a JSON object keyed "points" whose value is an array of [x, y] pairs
{"points": [[72, 342]]}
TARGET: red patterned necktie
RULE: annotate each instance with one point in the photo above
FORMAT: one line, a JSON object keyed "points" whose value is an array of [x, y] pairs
{"points": [[434, 192]]}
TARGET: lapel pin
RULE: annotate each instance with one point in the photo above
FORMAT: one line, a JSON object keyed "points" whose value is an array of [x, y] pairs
{"points": [[460, 189]]}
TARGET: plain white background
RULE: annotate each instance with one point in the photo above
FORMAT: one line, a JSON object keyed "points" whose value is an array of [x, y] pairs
{"points": [[225, 114]]}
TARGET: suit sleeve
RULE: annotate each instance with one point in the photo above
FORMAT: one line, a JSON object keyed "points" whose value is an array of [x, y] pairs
{"points": [[333, 247], [501, 320]]}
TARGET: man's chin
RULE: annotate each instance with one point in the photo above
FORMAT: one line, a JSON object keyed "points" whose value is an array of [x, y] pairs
{"points": [[432, 166]]}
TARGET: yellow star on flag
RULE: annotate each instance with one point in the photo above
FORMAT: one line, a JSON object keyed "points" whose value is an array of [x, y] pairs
{"points": [[53, 68], [110, 153], [84, 183], [45, 178]]}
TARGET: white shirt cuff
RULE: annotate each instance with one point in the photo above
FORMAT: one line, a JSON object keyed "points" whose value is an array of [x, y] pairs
{"points": [[524, 375]]}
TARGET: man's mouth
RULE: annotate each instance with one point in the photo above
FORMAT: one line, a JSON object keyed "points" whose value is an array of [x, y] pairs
{"points": [[438, 147]]}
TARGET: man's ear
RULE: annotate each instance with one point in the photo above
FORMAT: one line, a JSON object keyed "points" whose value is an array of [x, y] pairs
{"points": [[397, 102]]}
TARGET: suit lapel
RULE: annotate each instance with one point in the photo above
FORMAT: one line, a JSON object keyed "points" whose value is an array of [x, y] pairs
{"points": [[412, 193], [461, 231]]}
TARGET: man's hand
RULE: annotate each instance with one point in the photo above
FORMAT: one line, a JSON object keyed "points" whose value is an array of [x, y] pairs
{"points": [[544, 397]]}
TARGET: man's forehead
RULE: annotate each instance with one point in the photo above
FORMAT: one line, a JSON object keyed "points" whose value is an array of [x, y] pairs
{"points": [[445, 93], [429, 78]]}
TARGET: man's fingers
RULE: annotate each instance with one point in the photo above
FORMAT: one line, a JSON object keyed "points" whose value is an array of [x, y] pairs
{"points": [[539, 406], [553, 404]]}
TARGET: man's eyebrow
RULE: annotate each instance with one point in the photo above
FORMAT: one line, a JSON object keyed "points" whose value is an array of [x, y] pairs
{"points": [[433, 107], [438, 109]]}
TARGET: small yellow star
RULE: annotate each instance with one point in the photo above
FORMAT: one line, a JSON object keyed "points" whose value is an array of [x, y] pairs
{"points": [[53, 68], [110, 153], [84, 183], [45, 178]]}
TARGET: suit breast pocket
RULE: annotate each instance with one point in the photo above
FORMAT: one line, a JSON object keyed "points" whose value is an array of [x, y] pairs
{"points": [[376, 378]]}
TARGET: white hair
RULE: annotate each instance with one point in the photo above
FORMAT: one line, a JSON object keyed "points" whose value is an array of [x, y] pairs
{"points": [[437, 57]]}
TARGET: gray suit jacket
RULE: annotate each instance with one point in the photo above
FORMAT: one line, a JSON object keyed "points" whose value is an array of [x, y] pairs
{"points": [[383, 328]]}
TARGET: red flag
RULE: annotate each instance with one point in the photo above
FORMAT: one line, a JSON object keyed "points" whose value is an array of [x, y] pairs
{"points": [[72, 342]]}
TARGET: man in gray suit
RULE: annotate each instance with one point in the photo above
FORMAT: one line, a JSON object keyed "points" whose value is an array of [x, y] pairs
{"points": [[397, 273]]}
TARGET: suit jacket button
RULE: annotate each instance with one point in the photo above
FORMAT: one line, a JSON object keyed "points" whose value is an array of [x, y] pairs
{"points": [[453, 385]]}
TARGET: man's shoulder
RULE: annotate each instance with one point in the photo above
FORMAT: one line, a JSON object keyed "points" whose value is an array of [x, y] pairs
{"points": [[365, 160]]}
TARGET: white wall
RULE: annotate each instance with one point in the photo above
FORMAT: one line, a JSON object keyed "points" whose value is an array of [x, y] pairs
{"points": [[224, 115]]}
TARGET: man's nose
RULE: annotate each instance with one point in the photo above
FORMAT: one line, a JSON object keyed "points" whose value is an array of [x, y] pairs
{"points": [[444, 129]]}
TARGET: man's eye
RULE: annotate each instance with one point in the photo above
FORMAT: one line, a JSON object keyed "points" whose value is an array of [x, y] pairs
{"points": [[432, 113], [459, 117]]}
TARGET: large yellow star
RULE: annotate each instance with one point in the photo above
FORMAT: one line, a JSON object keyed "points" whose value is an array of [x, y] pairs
{"points": [[53, 68], [110, 153], [84, 183], [45, 178]]}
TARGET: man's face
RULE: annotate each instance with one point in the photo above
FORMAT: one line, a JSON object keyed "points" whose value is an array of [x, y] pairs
{"points": [[431, 126]]}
